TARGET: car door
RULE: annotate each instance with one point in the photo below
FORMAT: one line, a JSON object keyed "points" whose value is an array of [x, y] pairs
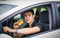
{"points": [[44, 13], [9, 20]]}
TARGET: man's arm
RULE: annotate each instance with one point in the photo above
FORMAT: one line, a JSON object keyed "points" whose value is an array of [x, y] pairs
{"points": [[25, 30], [29, 30]]}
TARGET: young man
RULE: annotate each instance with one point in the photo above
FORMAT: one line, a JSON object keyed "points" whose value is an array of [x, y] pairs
{"points": [[31, 27]]}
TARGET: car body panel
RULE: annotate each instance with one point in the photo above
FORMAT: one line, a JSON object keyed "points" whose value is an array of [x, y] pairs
{"points": [[24, 5], [51, 34]]}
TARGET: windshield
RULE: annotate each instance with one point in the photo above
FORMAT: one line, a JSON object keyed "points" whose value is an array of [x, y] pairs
{"points": [[6, 7]]}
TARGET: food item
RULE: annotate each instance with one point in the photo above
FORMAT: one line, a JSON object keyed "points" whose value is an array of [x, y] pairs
{"points": [[20, 22]]}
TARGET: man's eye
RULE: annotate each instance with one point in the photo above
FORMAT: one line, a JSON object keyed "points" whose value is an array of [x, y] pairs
{"points": [[29, 15], [24, 15]]}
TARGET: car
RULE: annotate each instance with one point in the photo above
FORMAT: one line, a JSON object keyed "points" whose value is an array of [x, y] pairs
{"points": [[46, 12]]}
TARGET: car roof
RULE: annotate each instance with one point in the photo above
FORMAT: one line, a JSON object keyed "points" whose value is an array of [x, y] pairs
{"points": [[21, 4]]}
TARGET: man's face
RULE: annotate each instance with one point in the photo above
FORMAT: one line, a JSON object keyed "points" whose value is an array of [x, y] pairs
{"points": [[28, 17]]}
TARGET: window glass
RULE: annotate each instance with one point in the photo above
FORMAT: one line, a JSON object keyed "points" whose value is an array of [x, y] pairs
{"points": [[6, 7], [58, 6]]}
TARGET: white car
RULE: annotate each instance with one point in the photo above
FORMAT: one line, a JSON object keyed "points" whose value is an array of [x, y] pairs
{"points": [[46, 12]]}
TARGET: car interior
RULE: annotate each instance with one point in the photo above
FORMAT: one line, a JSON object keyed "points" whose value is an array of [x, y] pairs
{"points": [[43, 18]]}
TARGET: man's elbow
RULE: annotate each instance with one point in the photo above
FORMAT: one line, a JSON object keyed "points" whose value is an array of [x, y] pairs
{"points": [[36, 29]]}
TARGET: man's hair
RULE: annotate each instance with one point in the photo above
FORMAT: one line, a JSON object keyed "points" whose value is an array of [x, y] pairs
{"points": [[29, 11]]}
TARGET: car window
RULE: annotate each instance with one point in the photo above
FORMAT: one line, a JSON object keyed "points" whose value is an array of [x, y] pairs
{"points": [[58, 6], [41, 15], [6, 7]]}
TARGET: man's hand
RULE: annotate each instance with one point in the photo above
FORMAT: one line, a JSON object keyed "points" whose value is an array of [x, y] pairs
{"points": [[6, 28], [15, 25]]}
